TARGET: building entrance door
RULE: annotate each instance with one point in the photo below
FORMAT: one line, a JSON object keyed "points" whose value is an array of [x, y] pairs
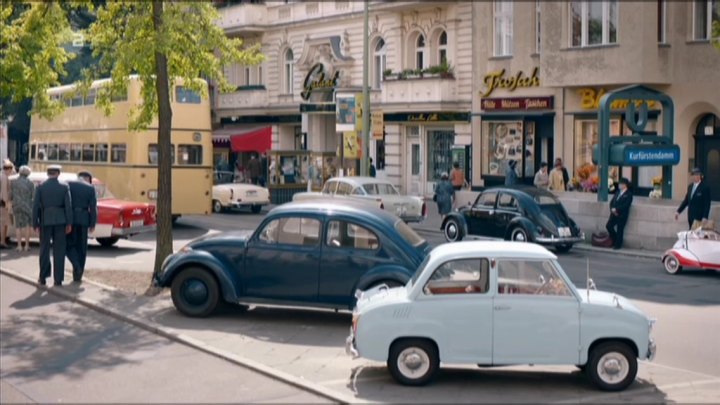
{"points": [[414, 167], [439, 156]]}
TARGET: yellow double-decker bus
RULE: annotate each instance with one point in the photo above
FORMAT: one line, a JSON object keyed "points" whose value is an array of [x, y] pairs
{"points": [[84, 138]]}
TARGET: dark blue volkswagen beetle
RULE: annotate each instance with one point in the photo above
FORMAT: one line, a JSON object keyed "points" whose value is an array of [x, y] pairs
{"points": [[314, 254]]}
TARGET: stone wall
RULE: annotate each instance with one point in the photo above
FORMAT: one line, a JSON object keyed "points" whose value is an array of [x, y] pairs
{"points": [[651, 224]]}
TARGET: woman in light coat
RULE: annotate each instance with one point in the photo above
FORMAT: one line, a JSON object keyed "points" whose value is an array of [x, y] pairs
{"points": [[22, 191], [557, 180]]}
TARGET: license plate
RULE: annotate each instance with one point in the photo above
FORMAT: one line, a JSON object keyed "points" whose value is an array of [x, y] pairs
{"points": [[139, 222], [564, 231], [251, 193]]}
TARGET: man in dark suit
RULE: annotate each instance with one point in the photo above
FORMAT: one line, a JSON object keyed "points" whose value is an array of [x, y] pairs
{"points": [[52, 218], [697, 200], [619, 212], [84, 204]]}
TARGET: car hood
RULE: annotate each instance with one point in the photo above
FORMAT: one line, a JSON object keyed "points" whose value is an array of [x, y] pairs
{"points": [[239, 237], [380, 295], [117, 204], [608, 299], [238, 187]]}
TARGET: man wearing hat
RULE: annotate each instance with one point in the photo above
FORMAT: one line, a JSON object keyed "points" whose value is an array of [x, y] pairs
{"points": [[697, 200], [52, 218], [619, 212], [84, 205]]}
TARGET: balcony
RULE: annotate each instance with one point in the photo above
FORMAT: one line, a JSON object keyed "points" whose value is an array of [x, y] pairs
{"points": [[243, 18], [245, 97], [433, 88]]}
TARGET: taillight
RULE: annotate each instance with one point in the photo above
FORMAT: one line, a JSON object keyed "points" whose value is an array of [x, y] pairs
{"points": [[423, 211], [121, 220], [382, 206]]}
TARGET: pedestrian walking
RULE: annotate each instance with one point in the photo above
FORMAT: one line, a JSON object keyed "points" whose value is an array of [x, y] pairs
{"points": [[619, 212], [254, 169], [22, 191], [510, 173], [84, 218], [557, 180], [5, 204], [52, 218], [457, 177], [373, 171], [697, 199], [565, 175], [444, 195], [542, 180]]}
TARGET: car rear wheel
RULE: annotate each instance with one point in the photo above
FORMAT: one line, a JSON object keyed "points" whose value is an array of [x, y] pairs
{"points": [[256, 209], [217, 207], [672, 264], [563, 248], [519, 235], [413, 361], [453, 231], [107, 242], [195, 292], [612, 366]]}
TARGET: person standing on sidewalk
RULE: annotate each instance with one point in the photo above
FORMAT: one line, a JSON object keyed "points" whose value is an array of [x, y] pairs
{"points": [[21, 195], [619, 212], [254, 169], [84, 204], [542, 180], [697, 199], [5, 204], [557, 180], [52, 218], [444, 196]]}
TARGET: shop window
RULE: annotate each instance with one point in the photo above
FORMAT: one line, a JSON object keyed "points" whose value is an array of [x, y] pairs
{"points": [[379, 62], [101, 152], [190, 154], [593, 22], [705, 13], [88, 152], [184, 95], [118, 153], [439, 153], [288, 71], [503, 26], [153, 154], [76, 152], [503, 142]]}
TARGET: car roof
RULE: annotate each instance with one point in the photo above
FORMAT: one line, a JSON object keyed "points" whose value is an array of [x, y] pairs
{"points": [[352, 208], [359, 180], [492, 249], [64, 177], [522, 188]]}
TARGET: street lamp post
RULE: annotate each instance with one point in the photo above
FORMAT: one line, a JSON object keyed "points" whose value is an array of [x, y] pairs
{"points": [[364, 161]]}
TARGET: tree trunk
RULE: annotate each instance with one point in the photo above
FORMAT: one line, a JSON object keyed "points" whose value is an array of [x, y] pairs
{"points": [[164, 200]]}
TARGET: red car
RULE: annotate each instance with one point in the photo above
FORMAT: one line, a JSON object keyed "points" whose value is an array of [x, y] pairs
{"points": [[116, 218]]}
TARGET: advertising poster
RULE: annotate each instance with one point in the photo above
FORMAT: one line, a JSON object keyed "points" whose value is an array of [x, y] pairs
{"points": [[344, 112]]}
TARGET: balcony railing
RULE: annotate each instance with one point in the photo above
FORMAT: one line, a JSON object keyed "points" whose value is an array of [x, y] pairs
{"points": [[429, 88], [245, 97], [243, 17]]}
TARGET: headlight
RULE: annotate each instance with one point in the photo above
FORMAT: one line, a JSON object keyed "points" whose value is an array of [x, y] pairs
{"points": [[355, 320], [185, 249]]}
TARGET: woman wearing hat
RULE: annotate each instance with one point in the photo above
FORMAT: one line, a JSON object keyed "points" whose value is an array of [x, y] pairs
{"points": [[444, 195], [619, 212], [5, 204], [22, 191]]}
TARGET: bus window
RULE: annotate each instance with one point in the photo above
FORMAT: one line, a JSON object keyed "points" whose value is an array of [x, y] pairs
{"points": [[101, 152], [33, 151], [64, 151], [90, 99], [52, 151], [118, 152], [88, 152], [190, 154], [76, 101], [67, 101], [42, 152], [186, 96], [153, 153], [119, 97], [75, 152]]}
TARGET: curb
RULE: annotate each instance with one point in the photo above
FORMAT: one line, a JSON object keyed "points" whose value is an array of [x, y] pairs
{"points": [[190, 341]]}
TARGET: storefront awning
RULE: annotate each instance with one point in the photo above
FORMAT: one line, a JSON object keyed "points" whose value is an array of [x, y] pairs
{"points": [[258, 140]]}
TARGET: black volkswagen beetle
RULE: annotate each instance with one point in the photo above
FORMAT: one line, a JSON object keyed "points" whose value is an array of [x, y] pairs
{"points": [[518, 213]]}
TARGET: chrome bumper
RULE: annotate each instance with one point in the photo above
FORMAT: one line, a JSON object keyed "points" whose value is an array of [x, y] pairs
{"points": [[652, 349], [559, 241], [132, 230], [236, 204], [412, 218], [350, 348]]}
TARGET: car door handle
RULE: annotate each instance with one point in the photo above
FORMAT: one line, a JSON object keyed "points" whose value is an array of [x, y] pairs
{"points": [[502, 307]]}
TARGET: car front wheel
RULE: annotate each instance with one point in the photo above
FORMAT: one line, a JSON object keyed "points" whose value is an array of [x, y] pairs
{"points": [[453, 231], [672, 264], [519, 235], [195, 292], [413, 361], [217, 207], [612, 366]]}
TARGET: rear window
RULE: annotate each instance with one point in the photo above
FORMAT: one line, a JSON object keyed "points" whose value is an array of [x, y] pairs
{"points": [[408, 233], [546, 200]]}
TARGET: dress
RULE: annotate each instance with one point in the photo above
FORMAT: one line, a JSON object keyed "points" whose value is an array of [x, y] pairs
{"points": [[443, 197], [5, 198], [21, 193]]}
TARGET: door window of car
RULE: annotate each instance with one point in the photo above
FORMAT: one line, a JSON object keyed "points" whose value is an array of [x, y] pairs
{"points": [[329, 187], [344, 189], [358, 191], [465, 276], [344, 234], [508, 202], [291, 231], [486, 200], [538, 277], [380, 189]]}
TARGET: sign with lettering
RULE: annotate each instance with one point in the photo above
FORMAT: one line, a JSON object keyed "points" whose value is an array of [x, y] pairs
{"points": [[497, 80], [590, 100], [641, 154], [517, 103], [316, 80], [377, 125]]}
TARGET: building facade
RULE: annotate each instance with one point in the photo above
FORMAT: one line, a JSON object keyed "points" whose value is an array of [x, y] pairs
{"points": [[420, 77], [542, 66]]}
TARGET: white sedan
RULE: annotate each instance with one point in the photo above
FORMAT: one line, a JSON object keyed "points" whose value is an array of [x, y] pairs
{"points": [[376, 192], [499, 304], [227, 194]]}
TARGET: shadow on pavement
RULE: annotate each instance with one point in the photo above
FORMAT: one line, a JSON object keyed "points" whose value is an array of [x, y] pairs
{"points": [[495, 385], [40, 297]]}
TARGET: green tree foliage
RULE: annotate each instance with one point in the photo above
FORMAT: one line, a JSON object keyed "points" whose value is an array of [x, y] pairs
{"points": [[160, 42], [716, 34]]}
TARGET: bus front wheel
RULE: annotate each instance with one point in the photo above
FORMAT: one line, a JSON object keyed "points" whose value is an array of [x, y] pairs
{"points": [[107, 242]]}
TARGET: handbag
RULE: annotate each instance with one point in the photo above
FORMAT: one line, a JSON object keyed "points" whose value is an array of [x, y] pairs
{"points": [[602, 239]]}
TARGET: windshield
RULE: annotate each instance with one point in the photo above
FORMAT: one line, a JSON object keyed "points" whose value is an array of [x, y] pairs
{"points": [[408, 233], [418, 271], [380, 189], [223, 177], [102, 192]]}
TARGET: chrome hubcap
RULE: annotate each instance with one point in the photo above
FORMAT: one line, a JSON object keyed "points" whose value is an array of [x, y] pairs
{"points": [[519, 236], [195, 292], [413, 362], [613, 367], [671, 264], [451, 231]]}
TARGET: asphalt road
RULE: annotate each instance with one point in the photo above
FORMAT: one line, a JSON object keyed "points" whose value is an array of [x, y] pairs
{"points": [[53, 350]]}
